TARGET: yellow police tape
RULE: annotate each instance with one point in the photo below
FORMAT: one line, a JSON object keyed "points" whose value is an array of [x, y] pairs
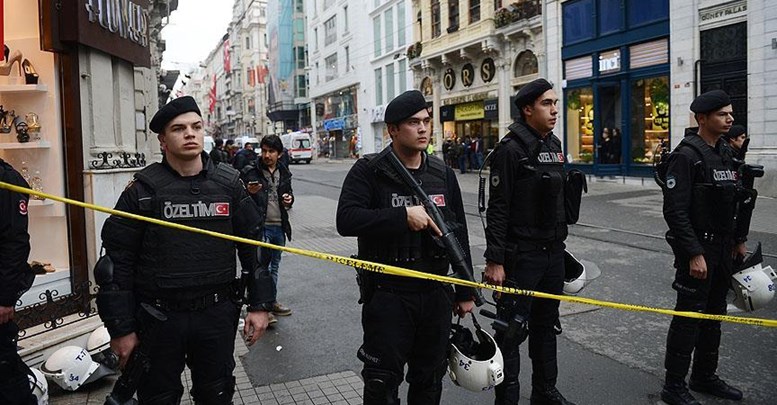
{"points": [[398, 271]]}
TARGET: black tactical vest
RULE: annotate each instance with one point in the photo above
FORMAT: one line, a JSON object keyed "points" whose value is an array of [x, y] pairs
{"points": [[537, 209], [413, 250], [175, 262], [713, 205]]}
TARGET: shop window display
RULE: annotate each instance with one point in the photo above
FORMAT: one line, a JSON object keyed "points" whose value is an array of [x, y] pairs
{"points": [[580, 125], [649, 117]]}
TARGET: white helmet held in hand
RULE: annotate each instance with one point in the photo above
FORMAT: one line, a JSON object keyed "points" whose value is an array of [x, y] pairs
{"points": [[753, 284], [71, 367], [474, 365], [40, 388]]}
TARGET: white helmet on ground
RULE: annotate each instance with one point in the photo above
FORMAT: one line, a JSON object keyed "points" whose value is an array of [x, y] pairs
{"points": [[577, 275], [40, 388], [753, 284], [474, 365], [99, 347], [71, 367]]}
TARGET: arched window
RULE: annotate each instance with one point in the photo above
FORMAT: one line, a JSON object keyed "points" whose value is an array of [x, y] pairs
{"points": [[525, 64]]}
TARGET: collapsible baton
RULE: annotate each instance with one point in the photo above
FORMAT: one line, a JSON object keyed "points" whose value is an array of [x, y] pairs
{"points": [[455, 253], [138, 364]]}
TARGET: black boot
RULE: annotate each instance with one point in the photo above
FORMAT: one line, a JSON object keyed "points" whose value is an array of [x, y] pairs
{"points": [[547, 395], [715, 386], [675, 392]]}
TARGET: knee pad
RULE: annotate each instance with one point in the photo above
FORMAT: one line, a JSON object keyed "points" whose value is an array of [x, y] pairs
{"points": [[216, 392], [380, 387], [165, 398]]}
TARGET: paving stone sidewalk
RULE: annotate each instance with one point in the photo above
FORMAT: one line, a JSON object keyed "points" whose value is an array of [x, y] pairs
{"points": [[343, 388]]}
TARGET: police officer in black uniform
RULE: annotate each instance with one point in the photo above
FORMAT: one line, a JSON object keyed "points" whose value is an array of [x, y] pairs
{"points": [[405, 320], [16, 277], [525, 236], [189, 277], [700, 194]]}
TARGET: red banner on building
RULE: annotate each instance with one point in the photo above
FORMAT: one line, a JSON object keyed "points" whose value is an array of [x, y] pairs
{"points": [[227, 62], [212, 96], [261, 73]]}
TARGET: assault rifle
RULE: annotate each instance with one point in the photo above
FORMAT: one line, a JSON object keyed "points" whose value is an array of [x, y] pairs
{"points": [[138, 364], [455, 253]]}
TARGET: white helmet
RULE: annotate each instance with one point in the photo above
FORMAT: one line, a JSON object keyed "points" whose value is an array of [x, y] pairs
{"points": [[40, 388], [99, 347], [576, 275], [71, 367], [476, 366], [753, 285]]}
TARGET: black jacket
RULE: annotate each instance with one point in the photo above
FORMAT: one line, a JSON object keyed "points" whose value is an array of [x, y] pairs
{"points": [[16, 277], [255, 172], [684, 169], [243, 157], [358, 216], [511, 170], [123, 239]]}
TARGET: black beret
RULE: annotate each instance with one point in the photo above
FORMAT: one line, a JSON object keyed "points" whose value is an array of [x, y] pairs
{"points": [[529, 93], [710, 101], [735, 131], [404, 106], [171, 110]]}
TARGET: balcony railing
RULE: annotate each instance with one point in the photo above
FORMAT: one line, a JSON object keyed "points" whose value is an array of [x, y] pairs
{"points": [[520, 10]]}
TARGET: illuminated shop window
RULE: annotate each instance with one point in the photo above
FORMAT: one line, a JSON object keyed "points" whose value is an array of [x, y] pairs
{"points": [[580, 125], [649, 117]]}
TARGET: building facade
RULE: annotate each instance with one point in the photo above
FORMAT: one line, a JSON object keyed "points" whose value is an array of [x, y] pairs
{"points": [[731, 45], [470, 57], [92, 94], [339, 52], [287, 87], [392, 29], [614, 74]]}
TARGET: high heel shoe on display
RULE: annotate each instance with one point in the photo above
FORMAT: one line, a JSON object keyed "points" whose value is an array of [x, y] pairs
{"points": [[30, 76], [16, 56], [21, 130], [6, 121]]}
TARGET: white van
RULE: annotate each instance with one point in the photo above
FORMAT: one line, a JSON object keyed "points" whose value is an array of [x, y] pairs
{"points": [[209, 143], [299, 145]]}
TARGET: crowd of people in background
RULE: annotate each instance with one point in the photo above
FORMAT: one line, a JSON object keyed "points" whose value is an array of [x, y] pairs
{"points": [[465, 153]]}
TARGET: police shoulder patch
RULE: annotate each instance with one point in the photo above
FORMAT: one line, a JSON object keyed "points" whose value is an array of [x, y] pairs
{"points": [[22, 207], [495, 179], [671, 182]]}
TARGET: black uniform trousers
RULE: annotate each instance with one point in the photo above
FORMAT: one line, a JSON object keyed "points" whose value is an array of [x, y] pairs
{"points": [[696, 336], [15, 388], [202, 340], [539, 269], [406, 327]]}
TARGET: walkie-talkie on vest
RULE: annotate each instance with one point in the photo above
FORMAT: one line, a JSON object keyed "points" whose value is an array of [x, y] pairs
{"points": [[455, 253]]}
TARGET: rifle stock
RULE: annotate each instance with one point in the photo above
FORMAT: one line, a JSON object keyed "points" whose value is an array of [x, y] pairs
{"points": [[452, 246]]}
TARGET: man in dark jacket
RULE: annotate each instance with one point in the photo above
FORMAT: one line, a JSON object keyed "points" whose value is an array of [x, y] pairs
{"points": [[269, 184], [525, 236], [16, 277], [218, 154], [187, 276], [700, 209], [244, 156], [405, 320]]}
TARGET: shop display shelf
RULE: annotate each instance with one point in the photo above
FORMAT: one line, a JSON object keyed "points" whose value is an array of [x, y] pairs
{"points": [[23, 88], [26, 145], [40, 203]]}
